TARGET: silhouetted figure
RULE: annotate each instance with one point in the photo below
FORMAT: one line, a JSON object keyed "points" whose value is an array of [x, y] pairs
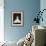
{"points": [[37, 19]]}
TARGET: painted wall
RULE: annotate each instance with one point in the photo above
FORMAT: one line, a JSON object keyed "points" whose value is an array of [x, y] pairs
{"points": [[29, 7], [43, 6]]}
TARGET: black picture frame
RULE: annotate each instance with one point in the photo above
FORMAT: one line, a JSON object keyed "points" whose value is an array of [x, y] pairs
{"points": [[17, 18]]}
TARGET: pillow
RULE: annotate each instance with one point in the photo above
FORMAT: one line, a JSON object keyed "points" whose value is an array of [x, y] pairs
{"points": [[20, 42]]}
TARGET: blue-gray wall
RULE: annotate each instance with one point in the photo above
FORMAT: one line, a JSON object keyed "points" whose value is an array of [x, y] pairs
{"points": [[43, 6], [30, 7]]}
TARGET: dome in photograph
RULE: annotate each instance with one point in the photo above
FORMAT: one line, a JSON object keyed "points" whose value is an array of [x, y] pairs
{"points": [[17, 20]]}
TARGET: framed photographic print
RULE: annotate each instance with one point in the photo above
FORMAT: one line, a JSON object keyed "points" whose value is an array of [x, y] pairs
{"points": [[17, 18]]}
